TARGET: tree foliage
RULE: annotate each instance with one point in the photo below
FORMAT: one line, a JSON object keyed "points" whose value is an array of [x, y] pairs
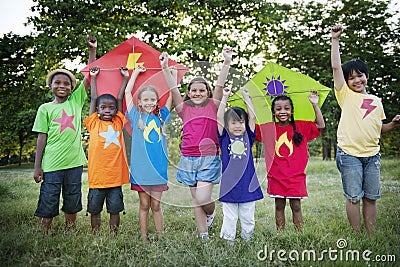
{"points": [[296, 36], [19, 100]]}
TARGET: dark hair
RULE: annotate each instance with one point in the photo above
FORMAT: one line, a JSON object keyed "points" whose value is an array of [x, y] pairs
{"points": [[106, 97], [199, 80], [356, 65], [297, 137], [236, 114]]}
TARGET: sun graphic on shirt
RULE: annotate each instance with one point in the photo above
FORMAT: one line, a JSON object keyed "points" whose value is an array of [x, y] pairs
{"points": [[275, 87], [237, 148]]}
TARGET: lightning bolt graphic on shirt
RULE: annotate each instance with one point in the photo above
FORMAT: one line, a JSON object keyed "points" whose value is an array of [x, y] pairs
{"points": [[367, 105]]}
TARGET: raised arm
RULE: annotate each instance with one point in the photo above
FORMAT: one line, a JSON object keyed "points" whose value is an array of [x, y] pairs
{"points": [[92, 43], [121, 92], [129, 87], [338, 78], [174, 73], [391, 125], [93, 89], [219, 85], [171, 78], [319, 119], [250, 108], [221, 109]]}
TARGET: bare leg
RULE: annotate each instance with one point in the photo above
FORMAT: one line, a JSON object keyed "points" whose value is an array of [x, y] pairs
{"points": [[297, 216], [369, 211], [70, 219], [144, 199], [114, 222], [46, 223], [203, 204], [353, 214], [280, 204], [95, 220], [157, 212]]}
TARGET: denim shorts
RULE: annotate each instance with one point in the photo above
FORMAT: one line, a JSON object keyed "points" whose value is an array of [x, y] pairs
{"points": [[67, 181], [113, 196], [199, 169], [360, 176]]}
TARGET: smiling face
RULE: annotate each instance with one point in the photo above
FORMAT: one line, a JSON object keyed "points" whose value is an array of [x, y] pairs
{"points": [[147, 100], [61, 86], [357, 82], [198, 93], [107, 109], [236, 127], [282, 110]]}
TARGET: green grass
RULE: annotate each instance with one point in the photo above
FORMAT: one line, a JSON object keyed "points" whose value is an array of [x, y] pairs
{"points": [[325, 222]]}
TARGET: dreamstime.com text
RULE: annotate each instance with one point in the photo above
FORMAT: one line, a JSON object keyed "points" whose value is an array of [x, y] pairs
{"points": [[340, 253]]}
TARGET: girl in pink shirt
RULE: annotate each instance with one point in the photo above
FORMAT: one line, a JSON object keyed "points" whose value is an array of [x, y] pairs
{"points": [[200, 164]]}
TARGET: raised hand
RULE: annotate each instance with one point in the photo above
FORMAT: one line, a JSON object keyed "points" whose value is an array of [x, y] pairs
{"points": [[227, 53], [124, 71], [140, 69], [226, 92], [313, 97], [94, 71], [164, 60], [91, 41], [337, 31]]}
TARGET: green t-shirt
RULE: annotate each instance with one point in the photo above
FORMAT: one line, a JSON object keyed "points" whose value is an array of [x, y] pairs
{"points": [[62, 124]]}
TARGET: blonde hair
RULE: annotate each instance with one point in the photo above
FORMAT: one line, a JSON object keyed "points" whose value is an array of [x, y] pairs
{"points": [[141, 124]]}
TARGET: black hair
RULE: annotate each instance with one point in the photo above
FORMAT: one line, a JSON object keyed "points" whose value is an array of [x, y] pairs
{"points": [[106, 97], [236, 114], [356, 65], [199, 80], [297, 137]]}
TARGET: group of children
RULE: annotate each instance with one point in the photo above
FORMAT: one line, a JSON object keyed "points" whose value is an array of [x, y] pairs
{"points": [[213, 138]]}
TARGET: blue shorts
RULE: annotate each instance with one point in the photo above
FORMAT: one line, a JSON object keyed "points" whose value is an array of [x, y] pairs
{"points": [[360, 176], [69, 181], [113, 196], [199, 169]]}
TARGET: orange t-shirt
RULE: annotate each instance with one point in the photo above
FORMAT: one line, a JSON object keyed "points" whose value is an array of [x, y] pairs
{"points": [[107, 165]]}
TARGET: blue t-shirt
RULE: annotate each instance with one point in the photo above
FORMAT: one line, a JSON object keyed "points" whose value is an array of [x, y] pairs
{"points": [[239, 181], [149, 154]]}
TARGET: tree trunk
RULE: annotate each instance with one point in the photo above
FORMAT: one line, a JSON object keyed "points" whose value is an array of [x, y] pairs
{"points": [[326, 148]]}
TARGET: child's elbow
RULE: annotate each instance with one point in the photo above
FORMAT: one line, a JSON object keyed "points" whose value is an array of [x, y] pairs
{"points": [[321, 126]]}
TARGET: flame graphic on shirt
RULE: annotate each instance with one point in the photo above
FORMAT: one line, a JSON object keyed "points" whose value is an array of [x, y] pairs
{"points": [[281, 141], [150, 127]]}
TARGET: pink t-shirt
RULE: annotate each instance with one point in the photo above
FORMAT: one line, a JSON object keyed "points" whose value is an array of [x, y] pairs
{"points": [[199, 136]]}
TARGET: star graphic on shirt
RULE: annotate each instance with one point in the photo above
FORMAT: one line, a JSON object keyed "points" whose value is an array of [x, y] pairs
{"points": [[65, 121], [111, 136]]}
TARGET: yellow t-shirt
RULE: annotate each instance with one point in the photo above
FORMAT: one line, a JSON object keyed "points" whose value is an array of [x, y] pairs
{"points": [[360, 123], [107, 166]]}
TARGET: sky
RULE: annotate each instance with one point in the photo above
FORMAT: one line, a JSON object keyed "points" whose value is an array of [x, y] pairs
{"points": [[13, 15]]}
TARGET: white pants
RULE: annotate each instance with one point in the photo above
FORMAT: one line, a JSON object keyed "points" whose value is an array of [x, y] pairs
{"points": [[231, 213]]}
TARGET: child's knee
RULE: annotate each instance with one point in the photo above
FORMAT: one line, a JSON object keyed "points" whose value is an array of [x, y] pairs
{"points": [[280, 204], [295, 206]]}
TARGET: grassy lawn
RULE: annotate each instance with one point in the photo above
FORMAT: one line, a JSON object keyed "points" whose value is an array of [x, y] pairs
{"points": [[326, 240]]}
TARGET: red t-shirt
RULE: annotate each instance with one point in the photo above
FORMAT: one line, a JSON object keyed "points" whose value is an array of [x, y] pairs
{"points": [[286, 162]]}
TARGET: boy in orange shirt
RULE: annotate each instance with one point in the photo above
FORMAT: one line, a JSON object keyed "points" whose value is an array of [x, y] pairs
{"points": [[107, 166]]}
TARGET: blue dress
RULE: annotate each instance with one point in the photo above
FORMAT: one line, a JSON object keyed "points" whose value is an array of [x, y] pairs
{"points": [[149, 154], [239, 181]]}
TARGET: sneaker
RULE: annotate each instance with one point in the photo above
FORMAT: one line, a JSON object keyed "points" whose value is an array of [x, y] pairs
{"points": [[210, 219], [204, 236]]}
